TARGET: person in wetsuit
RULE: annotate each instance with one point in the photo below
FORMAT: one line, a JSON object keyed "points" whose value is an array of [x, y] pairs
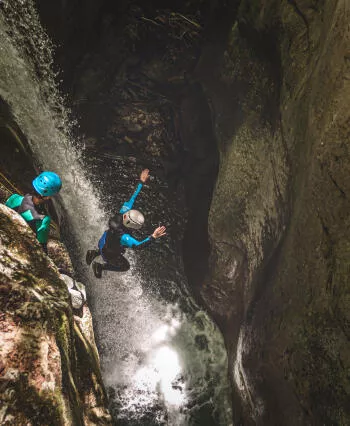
{"points": [[114, 242], [30, 206]]}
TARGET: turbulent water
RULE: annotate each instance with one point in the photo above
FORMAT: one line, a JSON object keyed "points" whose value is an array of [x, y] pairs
{"points": [[163, 360]]}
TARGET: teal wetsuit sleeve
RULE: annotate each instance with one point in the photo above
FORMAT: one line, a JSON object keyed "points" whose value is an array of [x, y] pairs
{"points": [[128, 204], [42, 229], [14, 201], [127, 240]]}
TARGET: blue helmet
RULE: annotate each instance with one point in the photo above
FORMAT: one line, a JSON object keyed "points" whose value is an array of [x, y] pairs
{"points": [[47, 184]]}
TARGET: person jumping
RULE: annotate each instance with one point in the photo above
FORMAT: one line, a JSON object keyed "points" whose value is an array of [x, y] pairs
{"points": [[116, 239]]}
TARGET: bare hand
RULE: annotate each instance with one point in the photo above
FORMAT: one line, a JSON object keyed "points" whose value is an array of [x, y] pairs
{"points": [[144, 175], [159, 232]]}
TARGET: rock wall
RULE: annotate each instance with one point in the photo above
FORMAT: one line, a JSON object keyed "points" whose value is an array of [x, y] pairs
{"points": [[277, 77], [50, 370], [279, 279]]}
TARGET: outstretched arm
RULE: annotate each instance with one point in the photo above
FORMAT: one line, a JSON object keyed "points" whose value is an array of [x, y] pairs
{"points": [[129, 204], [128, 241], [159, 232]]}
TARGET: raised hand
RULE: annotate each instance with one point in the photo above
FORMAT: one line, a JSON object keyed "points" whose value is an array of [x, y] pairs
{"points": [[159, 232], [144, 175]]}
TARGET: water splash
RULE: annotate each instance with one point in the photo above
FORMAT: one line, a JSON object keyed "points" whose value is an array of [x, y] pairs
{"points": [[154, 355], [38, 109]]}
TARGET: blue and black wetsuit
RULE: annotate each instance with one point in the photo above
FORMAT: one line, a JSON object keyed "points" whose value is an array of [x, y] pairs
{"points": [[114, 242]]}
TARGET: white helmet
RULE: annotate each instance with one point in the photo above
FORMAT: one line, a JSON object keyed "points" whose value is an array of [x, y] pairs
{"points": [[133, 219]]}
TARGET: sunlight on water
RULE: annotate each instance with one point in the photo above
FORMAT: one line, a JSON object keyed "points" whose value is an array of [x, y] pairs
{"points": [[166, 331], [151, 351], [163, 367], [160, 374], [167, 364]]}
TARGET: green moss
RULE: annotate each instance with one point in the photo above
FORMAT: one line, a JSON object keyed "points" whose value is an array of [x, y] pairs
{"points": [[37, 301], [40, 408], [88, 360], [66, 346]]}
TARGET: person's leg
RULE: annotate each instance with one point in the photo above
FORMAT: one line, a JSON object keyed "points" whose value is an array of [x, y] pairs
{"points": [[97, 268], [91, 255], [119, 264], [122, 266]]}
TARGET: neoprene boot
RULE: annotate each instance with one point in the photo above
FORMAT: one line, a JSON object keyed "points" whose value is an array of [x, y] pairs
{"points": [[97, 268], [90, 255]]}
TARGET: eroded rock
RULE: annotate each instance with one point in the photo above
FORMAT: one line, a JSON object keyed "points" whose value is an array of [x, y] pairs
{"points": [[278, 281], [50, 370]]}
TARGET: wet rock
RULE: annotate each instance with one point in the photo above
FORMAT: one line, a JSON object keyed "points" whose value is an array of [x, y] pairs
{"points": [[59, 254], [277, 281], [201, 342], [49, 370]]}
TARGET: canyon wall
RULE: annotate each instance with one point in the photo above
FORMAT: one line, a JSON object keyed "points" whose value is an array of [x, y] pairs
{"points": [[279, 229], [50, 371]]}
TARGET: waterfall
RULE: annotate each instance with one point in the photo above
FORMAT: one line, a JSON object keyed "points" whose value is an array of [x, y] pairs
{"points": [[164, 361]]}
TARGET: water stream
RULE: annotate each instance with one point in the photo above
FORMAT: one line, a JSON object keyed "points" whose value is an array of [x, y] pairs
{"points": [[163, 360]]}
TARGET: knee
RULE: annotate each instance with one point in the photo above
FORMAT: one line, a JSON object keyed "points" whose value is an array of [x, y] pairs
{"points": [[125, 265], [125, 268]]}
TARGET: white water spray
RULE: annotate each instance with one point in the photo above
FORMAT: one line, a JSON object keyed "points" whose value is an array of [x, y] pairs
{"points": [[152, 352]]}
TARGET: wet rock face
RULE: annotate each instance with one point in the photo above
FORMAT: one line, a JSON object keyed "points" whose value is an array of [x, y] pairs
{"points": [[49, 365], [278, 281]]}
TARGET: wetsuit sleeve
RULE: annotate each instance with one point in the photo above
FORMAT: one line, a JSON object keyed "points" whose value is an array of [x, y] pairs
{"points": [[42, 223], [42, 229], [128, 204], [127, 240], [14, 201]]}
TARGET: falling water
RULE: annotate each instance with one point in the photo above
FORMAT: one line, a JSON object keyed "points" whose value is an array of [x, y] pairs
{"points": [[162, 358]]}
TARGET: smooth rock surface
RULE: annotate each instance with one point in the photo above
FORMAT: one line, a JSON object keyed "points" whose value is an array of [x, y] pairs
{"points": [[279, 223]]}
